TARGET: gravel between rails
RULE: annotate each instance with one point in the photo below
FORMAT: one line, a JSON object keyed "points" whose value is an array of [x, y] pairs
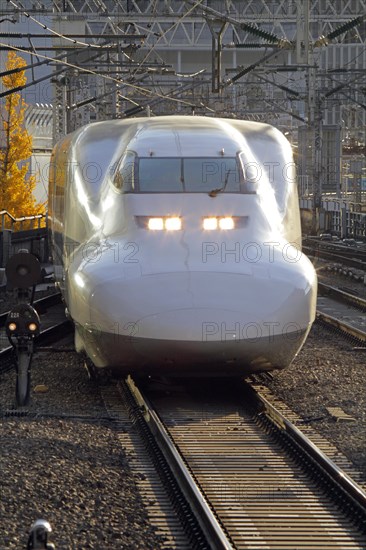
{"points": [[72, 472], [328, 373]]}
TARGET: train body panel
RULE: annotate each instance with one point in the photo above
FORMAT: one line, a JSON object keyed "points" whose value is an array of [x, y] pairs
{"points": [[145, 283]]}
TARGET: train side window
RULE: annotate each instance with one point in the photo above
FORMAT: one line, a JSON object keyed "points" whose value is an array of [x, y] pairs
{"points": [[124, 177]]}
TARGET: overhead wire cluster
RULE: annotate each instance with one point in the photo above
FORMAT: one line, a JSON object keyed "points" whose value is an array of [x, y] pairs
{"points": [[59, 60], [141, 68], [55, 33]]}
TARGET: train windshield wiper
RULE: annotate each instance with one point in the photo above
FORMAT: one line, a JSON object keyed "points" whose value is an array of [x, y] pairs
{"points": [[215, 192]]}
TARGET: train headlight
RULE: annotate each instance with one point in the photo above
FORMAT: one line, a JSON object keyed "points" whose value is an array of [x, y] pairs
{"points": [[226, 223], [170, 224], [12, 327], [173, 224], [209, 224], [155, 224]]}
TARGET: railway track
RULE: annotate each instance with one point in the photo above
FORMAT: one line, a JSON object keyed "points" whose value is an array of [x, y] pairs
{"points": [[265, 485], [343, 256], [346, 297], [163, 501], [342, 311], [350, 248]]}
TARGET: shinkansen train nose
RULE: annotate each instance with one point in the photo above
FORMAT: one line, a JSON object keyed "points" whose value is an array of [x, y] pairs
{"points": [[202, 305]]}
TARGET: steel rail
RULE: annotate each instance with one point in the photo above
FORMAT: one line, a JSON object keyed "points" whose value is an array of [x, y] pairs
{"points": [[209, 524], [360, 335], [339, 294], [267, 484], [350, 262], [337, 247], [337, 477]]}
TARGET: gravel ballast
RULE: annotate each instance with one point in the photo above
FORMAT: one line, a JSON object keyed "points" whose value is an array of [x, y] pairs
{"points": [[69, 470]]}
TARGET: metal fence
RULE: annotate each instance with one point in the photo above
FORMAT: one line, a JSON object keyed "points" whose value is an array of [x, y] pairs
{"points": [[25, 222], [26, 232]]}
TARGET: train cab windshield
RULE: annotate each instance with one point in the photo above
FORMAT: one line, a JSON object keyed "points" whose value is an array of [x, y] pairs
{"points": [[180, 175]]}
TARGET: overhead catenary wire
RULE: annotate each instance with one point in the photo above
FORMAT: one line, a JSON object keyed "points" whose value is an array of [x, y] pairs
{"points": [[62, 36], [344, 85], [74, 51], [362, 105], [52, 32], [36, 81], [249, 27], [153, 16], [69, 37], [87, 44], [31, 66], [196, 4], [24, 86], [250, 68], [140, 89], [143, 91], [280, 86]]}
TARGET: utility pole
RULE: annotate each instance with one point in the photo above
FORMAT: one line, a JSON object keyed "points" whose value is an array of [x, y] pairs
{"points": [[314, 137], [302, 35], [216, 52], [59, 111], [315, 132]]}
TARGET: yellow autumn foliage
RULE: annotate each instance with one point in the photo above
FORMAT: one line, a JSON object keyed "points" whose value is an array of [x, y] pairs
{"points": [[16, 186]]}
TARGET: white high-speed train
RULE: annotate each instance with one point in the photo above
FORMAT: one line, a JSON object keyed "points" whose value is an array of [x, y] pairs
{"points": [[177, 245]]}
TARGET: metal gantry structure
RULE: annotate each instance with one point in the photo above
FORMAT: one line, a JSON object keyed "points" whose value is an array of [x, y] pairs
{"points": [[298, 64]]}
